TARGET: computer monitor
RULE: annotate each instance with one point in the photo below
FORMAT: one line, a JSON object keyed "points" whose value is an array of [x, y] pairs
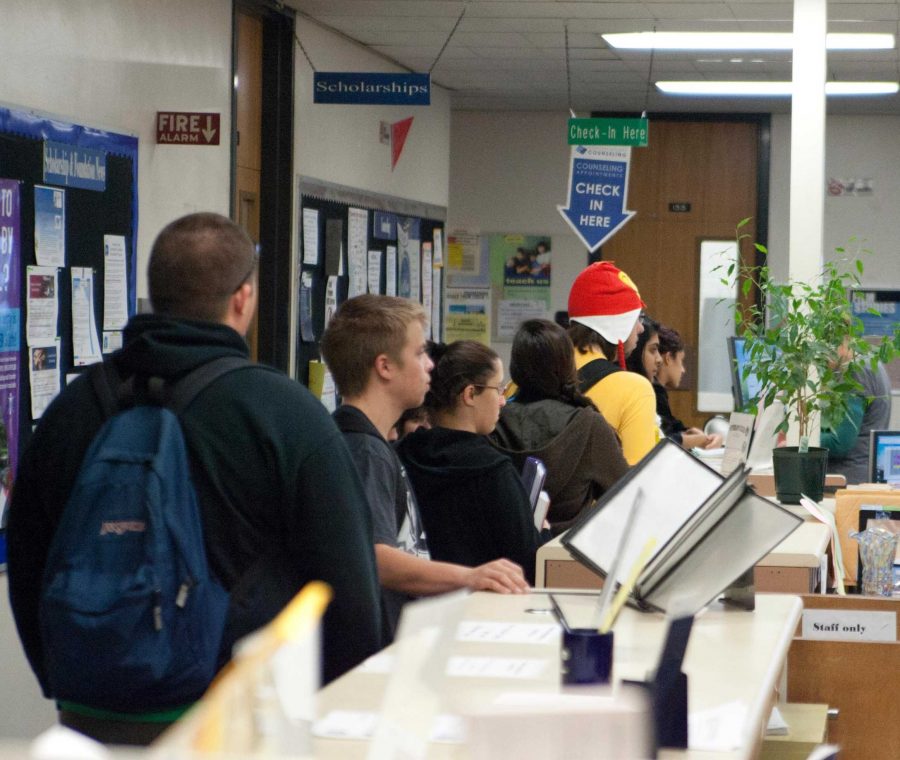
{"points": [[744, 389], [884, 456]]}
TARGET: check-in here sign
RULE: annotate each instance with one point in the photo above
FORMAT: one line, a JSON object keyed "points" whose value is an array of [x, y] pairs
{"points": [[187, 128]]}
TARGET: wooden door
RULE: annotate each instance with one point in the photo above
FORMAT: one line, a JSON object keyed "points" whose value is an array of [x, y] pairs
{"points": [[248, 126], [712, 166]]}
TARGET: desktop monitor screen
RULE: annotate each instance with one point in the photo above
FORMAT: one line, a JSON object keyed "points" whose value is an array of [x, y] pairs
{"points": [[884, 456], [744, 389]]}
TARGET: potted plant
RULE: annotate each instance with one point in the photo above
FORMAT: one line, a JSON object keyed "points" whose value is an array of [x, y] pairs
{"points": [[804, 345]]}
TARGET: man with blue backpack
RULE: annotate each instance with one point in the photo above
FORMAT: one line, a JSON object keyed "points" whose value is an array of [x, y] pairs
{"points": [[175, 498]]}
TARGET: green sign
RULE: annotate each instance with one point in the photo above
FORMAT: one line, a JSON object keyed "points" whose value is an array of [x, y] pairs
{"points": [[632, 132]]}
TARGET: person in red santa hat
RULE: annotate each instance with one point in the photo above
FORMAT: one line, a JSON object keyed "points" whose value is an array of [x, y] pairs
{"points": [[604, 311]]}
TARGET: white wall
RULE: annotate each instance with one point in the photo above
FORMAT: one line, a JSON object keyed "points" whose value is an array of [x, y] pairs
{"points": [[508, 173], [339, 143], [114, 64], [855, 147]]}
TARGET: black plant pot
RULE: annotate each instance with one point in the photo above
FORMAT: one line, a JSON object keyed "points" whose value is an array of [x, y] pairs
{"points": [[797, 473]]}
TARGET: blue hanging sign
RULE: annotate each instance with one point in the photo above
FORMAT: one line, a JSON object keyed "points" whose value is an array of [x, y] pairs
{"points": [[372, 88], [598, 187], [74, 166]]}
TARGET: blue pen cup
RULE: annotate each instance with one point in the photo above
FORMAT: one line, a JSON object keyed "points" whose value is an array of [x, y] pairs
{"points": [[587, 656]]}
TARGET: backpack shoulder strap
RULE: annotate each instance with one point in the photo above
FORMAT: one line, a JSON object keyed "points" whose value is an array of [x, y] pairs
{"points": [[594, 371], [188, 387]]}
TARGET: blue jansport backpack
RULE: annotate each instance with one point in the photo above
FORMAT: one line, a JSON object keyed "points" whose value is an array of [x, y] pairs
{"points": [[131, 617]]}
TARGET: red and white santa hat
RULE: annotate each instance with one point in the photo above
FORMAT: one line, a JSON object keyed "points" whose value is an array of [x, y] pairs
{"points": [[605, 299]]}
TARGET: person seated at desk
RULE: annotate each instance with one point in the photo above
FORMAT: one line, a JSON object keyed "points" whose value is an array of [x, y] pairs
{"points": [[473, 502], [668, 375], [604, 306], [868, 409], [375, 348], [549, 418]]}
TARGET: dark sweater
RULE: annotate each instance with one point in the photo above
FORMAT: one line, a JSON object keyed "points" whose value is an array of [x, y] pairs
{"points": [[670, 425], [579, 448], [473, 503], [280, 499]]}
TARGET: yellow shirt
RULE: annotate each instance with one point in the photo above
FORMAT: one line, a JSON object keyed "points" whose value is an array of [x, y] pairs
{"points": [[627, 401]]}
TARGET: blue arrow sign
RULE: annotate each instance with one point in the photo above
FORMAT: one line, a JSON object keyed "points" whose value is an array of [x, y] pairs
{"points": [[598, 187]]}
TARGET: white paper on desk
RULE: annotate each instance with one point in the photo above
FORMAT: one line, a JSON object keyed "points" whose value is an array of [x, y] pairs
{"points": [[360, 725], [737, 442], [718, 729], [295, 673], [777, 725], [496, 667], [837, 556], [115, 283], [508, 633]]}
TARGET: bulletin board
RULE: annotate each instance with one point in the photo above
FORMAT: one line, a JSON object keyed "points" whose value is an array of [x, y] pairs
{"points": [[68, 196], [403, 254]]}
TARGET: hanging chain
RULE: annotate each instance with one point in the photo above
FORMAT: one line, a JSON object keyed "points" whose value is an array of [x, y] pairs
{"points": [[568, 74], [649, 80], [450, 37]]}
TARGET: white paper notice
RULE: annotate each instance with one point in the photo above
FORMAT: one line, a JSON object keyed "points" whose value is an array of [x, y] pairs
{"points": [[112, 341], [390, 271], [436, 332], [511, 313], [331, 296], [43, 368], [43, 304], [115, 283], [508, 633], [310, 236], [85, 343], [495, 667], [357, 237], [438, 236], [49, 226], [718, 729], [375, 272], [427, 285]]}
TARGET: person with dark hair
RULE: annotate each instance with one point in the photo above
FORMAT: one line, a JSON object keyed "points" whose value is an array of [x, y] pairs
{"points": [[549, 418], [604, 306], [265, 460], [669, 374], [473, 502], [376, 350], [645, 358]]}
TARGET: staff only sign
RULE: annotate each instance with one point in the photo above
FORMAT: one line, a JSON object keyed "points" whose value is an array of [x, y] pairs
{"points": [[598, 188]]}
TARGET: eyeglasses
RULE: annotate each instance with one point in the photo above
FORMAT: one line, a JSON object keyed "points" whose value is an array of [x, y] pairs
{"points": [[501, 389]]}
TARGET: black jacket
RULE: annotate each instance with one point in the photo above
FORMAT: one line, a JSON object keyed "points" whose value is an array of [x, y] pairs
{"points": [[280, 498], [473, 503]]}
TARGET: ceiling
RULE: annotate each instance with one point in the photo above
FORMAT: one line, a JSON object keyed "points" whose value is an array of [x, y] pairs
{"points": [[512, 54]]}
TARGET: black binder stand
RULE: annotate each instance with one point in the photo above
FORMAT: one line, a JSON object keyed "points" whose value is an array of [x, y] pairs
{"points": [[667, 690]]}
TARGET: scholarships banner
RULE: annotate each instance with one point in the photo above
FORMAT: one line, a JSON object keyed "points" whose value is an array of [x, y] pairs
{"points": [[10, 325], [362, 88]]}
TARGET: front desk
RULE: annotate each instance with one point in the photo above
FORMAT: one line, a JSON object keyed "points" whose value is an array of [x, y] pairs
{"points": [[792, 567], [733, 657]]}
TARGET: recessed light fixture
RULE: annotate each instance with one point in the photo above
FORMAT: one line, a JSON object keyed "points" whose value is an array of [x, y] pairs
{"points": [[740, 41], [772, 89]]}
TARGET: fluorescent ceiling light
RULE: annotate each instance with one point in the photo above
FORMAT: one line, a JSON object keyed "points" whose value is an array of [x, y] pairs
{"points": [[772, 89], [741, 41]]}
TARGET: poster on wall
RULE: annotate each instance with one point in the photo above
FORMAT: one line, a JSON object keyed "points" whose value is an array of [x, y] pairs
{"points": [[520, 267], [85, 344], [357, 253], [43, 366], [43, 303], [10, 321], [49, 226], [467, 315], [465, 263], [410, 257]]}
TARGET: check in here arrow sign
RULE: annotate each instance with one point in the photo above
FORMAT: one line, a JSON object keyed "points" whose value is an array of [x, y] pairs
{"points": [[598, 188]]}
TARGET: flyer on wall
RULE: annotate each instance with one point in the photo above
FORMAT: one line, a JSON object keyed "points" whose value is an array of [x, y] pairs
{"points": [[49, 226], [520, 280]]}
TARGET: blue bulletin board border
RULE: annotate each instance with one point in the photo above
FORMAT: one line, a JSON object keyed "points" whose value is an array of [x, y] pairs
{"points": [[37, 126]]}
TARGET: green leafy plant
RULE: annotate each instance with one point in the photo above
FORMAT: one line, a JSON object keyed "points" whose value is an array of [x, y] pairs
{"points": [[803, 342]]}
